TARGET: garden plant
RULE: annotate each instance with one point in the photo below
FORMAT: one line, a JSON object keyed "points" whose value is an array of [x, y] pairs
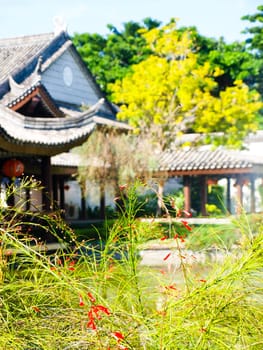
{"points": [[105, 299]]}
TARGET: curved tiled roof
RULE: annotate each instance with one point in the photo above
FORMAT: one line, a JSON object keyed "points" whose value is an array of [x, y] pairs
{"points": [[15, 53], [18, 133], [22, 61], [19, 56], [203, 159]]}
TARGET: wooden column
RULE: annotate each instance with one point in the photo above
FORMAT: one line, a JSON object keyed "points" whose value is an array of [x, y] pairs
{"points": [[55, 189], [46, 180], [252, 195], [228, 195], [239, 195], [61, 193], [83, 205], [102, 201], [187, 193], [28, 199], [203, 194]]}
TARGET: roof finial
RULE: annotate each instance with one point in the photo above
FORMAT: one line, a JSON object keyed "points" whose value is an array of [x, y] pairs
{"points": [[39, 64], [59, 25]]}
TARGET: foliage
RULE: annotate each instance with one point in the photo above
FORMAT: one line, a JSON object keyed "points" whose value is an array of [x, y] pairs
{"points": [[34, 225], [256, 30], [216, 197], [170, 92], [112, 157], [110, 58], [254, 43], [82, 302]]}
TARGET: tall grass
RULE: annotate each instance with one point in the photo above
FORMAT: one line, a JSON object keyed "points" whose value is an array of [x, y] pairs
{"points": [[105, 299]]}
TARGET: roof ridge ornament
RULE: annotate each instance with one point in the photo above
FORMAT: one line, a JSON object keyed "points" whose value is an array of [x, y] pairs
{"points": [[59, 25], [15, 88], [38, 68]]}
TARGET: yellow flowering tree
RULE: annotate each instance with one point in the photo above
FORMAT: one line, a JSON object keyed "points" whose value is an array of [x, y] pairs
{"points": [[170, 93]]}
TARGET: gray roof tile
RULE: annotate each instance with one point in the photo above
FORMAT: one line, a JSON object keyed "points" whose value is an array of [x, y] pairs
{"points": [[19, 56], [202, 158]]}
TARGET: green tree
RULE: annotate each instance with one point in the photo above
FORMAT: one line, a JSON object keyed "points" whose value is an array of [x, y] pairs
{"points": [[255, 41], [255, 45], [110, 58], [171, 92]]}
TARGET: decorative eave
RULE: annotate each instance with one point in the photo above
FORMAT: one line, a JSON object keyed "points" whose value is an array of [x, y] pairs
{"points": [[47, 136], [39, 91]]}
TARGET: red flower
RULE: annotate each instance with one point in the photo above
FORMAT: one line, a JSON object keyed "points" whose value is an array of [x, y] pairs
{"points": [[103, 309], [122, 187], [59, 261], [185, 223], [36, 309], [91, 324], [167, 256], [91, 297], [179, 212], [187, 213], [172, 286], [81, 302], [122, 347], [118, 336], [164, 238]]}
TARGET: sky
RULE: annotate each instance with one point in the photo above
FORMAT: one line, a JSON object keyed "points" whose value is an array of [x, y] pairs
{"points": [[213, 18]]}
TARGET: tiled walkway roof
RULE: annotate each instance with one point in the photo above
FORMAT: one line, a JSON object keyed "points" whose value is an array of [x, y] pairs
{"points": [[206, 160], [191, 161]]}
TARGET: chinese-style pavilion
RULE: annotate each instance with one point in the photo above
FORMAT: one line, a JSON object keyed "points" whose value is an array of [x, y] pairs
{"points": [[49, 103]]}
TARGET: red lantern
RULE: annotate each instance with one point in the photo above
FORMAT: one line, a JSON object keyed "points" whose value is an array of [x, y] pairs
{"points": [[13, 168]]}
